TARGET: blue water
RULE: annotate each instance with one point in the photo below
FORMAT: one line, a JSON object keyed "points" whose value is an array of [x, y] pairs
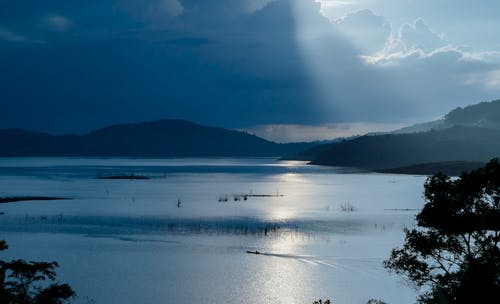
{"points": [[127, 241]]}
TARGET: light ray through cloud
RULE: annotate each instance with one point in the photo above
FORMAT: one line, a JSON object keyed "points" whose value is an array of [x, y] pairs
{"points": [[313, 36], [305, 63], [348, 89]]}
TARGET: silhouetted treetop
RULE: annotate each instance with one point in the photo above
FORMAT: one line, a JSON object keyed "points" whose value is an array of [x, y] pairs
{"points": [[454, 252], [466, 204], [24, 282]]}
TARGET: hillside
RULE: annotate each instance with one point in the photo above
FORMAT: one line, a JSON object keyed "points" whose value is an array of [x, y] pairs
{"points": [[483, 115], [464, 138], [400, 150], [450, 168], [168, 138]]}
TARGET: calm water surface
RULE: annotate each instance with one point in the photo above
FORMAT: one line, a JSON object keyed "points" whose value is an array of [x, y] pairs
{"points": [[323, 232]]}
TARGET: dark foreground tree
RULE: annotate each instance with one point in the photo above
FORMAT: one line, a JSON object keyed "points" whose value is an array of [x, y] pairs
{"points": [[454, 253], [24, 282]]}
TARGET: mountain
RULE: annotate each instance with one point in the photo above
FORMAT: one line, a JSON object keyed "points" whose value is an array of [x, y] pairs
{"points": [[483, 115], [422, 127], [167, 138], [317, 148], [456, 143], [451, 168], [464, 138], [21, 141]]}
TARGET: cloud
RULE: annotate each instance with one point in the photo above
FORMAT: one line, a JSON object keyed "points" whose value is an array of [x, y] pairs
{"points": [[223, 7], [227, 77], [13, 37], [345, 88], [188, 41], [332, 8], [417, 44], [490, 80], [455, 62], [170, 8], [443, 78], [58, 23], [157, 12], [8, 35], [218, 14], [420, 57], [366, 30], [493, 80], [227, 63], [416, 36]]}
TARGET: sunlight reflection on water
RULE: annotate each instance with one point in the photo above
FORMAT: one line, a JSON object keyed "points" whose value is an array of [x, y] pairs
{"points": [[310, 248]]}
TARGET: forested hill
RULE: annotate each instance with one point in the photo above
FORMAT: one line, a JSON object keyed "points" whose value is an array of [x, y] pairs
{"points": [[483, 115], [463, 138], [167, 138], [397, 150]]}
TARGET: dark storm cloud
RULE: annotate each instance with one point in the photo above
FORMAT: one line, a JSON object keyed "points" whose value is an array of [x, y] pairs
{"points": [[75, 65], [113, 65]]}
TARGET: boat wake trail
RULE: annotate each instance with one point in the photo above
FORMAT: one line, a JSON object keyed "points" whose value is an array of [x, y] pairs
{"points": [[308, 259]]}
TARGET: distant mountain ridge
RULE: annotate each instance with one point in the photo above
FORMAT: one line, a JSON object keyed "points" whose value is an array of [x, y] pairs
{"points": [[464, 137], [167, 138], [482, 115], [399, 150]]}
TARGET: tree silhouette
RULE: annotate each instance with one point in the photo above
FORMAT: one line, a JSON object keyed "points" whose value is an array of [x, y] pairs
{"points": [[24, 282], [454, 253]]}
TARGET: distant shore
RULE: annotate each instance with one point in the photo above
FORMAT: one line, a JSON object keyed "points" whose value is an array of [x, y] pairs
{"points": [[451, 168], [14, 199]]}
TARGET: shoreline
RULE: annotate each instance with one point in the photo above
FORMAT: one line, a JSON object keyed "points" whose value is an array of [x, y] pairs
{"points": [[450, 168], [13, 199]]}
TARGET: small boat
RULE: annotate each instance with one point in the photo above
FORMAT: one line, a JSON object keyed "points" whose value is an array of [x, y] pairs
{"points": [[253, 252]]}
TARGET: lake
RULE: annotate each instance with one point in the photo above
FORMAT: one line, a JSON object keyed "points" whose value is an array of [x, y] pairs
{"points": [[181, 236]]}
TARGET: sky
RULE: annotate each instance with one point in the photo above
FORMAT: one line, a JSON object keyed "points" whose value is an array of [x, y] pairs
{"points": [[287, 70]]}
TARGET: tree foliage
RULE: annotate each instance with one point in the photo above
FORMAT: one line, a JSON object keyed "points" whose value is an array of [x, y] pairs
{"points": [[454, 253], [486, 114], [320, 301], [24, 282]]}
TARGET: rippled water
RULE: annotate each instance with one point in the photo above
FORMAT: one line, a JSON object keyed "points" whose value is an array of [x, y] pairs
{"points": [[127, 241]]}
